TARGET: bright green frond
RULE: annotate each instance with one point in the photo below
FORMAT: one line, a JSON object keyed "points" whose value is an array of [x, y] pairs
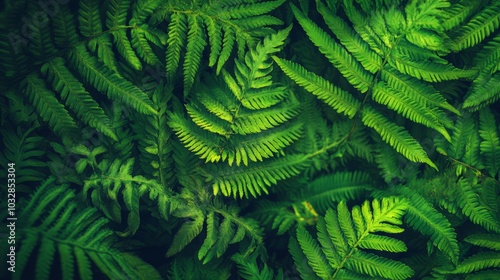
{"points": [[396, 136], [342, 237], [254, 178], [337, 98], [479, 27], [370, 60], [491, 241], [423, 217]]}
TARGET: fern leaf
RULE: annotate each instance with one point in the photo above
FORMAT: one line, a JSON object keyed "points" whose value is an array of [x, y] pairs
{"points": [[477, 262], [424, 218], [65, 33], [48, 106], [374, 265], [76, 97], [338, 99], [370, 60], [41, 44], [188, 231], [326, 191], [312, 251], [490, 146], [491, 241], [117, 13], [408, 108], [89, 18], [214, 32], [177, 33], [396, 136], [194, 49], [115, 86], [430, 71], [342, 236], [77, 235], [337, 55], [422, 92], [254, 178], [479, 27], [472, 207], [300, 260]]}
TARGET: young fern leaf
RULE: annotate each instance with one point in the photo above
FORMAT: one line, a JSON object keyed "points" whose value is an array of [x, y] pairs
{"points": [[248, 121], [342, 237]]}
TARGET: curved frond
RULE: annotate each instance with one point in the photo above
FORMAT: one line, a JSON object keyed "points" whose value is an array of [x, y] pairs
{"points": [[342, 235], [396, 136]]}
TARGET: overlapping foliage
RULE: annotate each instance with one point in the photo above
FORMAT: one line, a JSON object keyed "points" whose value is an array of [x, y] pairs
{"points": [[252, 139]]}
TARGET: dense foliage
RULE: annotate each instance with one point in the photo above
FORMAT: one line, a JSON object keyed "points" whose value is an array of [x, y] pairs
{"points": [[252, 139]]}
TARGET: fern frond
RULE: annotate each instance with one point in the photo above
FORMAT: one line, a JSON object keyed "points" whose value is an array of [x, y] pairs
{"points": [[77, 237], [490, 144], [89, 18], [423, 217], [436, 70], [337, 98], [249, 270], [65, 33], [479, 27], [421, 92], [483, 93], [336, 54], [41, 45], [116, 179], [254, 178], [188, 231], [177, 34], [47, 105], [24, 148], [396, 136], [104, 80], [476, 262], [155, 145], [409, 108], [342, 236], [491, 241], [195, 45], [370, 60], [312, 251], [324, 192], [471, 206], [76, 98]]}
